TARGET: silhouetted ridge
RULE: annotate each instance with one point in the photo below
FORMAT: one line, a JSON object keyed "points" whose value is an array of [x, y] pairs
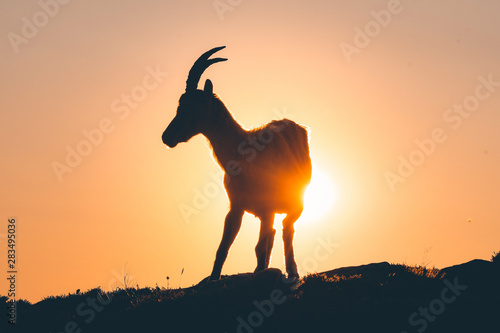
{"points": [[377, 297]]}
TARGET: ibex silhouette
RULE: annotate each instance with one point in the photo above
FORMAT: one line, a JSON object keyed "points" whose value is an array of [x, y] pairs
{"points": [[266, 169]]}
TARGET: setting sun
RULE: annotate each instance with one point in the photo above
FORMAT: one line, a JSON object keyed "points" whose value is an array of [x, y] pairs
{"points": [[320, 196]]}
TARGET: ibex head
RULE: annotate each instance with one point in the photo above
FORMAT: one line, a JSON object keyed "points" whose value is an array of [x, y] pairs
{"points": [[192, 113]]}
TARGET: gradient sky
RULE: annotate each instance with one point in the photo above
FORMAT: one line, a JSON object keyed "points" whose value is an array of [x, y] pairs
{"points": [[119, 207]]}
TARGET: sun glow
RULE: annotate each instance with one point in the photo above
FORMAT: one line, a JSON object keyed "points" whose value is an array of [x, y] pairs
{"points": [[320, 196], [319, 199]]}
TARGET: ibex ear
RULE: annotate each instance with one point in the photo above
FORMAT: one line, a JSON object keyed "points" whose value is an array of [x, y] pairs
{"points": [[209, 88]]}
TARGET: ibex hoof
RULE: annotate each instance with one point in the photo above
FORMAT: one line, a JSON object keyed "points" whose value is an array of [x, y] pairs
{"points": [[259, 269], [293, 273]]}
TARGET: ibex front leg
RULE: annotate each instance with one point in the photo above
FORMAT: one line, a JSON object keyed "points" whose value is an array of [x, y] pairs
{"points": [[232, 226], [266, 241]]}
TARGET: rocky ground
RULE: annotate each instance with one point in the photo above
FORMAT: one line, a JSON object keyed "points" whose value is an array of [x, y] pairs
{"points": [[379, 297]]}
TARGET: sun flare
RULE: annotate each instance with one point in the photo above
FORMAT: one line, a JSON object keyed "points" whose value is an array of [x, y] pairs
{"points": [[320, 196]]}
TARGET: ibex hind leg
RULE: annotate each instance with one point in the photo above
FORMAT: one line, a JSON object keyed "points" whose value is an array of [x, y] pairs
{"points": [[232, 226], [266, 240], [288, 232]]}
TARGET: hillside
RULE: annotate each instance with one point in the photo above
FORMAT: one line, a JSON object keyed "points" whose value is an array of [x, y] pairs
{"points": [[379, 297]]}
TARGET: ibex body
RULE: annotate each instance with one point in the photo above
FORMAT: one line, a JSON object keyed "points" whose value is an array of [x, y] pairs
{"points": [[266, 170]]}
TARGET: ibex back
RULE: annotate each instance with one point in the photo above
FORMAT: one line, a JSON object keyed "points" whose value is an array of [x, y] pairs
{"points": [[266, 170]]}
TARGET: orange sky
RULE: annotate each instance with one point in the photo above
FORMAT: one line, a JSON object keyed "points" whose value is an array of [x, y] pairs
{"points": [[366, 98]]}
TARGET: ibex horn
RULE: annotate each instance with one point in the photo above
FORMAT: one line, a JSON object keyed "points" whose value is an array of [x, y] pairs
{"points": [[199, 67]]}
